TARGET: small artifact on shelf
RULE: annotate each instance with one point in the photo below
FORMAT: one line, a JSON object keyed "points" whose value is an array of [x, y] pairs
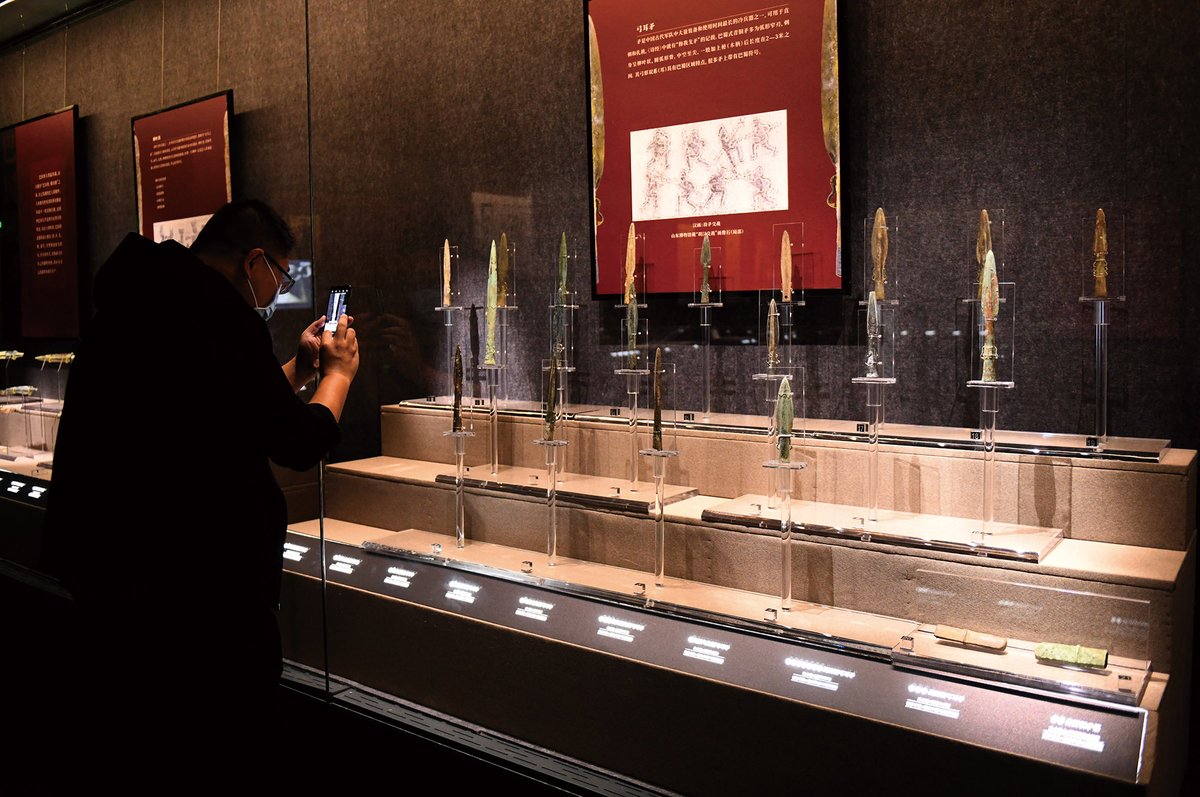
{"points": [[874, 337], [489, 346], [11, 354], [785, 268], [656, 437], [705, 266], [1078, 655], [446, 273], [989, 305], [973, 639], [983, 242], [456, 412], [879, 252], [20, 390], [1100, 250], [551, 400], [784, 414], [502, 273], [772, 334], [64, 358]]}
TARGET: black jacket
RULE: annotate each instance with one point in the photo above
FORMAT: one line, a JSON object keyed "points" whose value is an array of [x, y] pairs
{"points": [[161, 488]]}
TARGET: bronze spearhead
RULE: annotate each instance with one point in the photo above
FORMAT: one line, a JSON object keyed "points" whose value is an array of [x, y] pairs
{"points": [[456, 416], [879, 253], [983, 242], [502, 272]]}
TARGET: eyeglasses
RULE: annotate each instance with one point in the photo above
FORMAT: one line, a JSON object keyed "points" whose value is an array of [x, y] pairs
{"points": [[288, 280]]}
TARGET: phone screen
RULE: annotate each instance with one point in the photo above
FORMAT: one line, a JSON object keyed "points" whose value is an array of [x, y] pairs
{"points": [[338, 297]]}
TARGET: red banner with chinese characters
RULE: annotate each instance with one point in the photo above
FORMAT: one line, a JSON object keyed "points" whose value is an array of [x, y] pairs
{"points": [[712, 125], [181, 157], [47, 233]]}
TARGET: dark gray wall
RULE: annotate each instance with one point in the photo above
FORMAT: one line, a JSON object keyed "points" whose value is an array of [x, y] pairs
{"points": [[1047, 110]]}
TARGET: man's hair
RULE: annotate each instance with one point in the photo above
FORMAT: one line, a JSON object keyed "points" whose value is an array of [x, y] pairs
{"points": [[244, 225]]}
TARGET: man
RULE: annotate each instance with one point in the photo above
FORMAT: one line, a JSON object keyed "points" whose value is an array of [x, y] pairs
{"points": [[164, 518]]}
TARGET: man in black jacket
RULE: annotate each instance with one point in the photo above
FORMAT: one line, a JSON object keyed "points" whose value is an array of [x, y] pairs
{"points": [[164, 518]]}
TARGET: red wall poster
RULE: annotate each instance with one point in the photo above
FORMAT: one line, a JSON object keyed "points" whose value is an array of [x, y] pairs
{"points": [[40, 195], [181, 161], [712, 125]]}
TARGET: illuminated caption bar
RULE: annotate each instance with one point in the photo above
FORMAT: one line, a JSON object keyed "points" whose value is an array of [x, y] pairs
{"points": [[1076, 733], [534, 609], [814, 673], [934, 701], [344, 564], [462, 591], [399, 577], [293, 551], [706, 650], [614, 628]]}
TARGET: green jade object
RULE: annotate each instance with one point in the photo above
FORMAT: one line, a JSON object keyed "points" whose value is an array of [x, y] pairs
{"points": [[1056, 653], [489, 346], [784, 415]]}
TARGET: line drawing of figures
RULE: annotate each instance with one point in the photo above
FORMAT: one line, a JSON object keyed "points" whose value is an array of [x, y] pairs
{"points": [[694, 149], [731, 143], [716, 185], [761, 137], [762, 190], [654, 181], [659, 148], [687, 191]]}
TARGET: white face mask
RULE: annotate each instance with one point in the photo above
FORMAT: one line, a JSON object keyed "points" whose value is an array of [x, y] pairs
{"points": [[265, 313]]}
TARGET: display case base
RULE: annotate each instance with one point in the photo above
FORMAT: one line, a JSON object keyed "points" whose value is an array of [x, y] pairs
{"points": [[931, 532]]}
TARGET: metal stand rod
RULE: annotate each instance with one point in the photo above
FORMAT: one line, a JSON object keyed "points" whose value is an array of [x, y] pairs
{"points": [[631, 390], [460, 515], [552, 505], [785, 536], [874, 421], [493, 418], [660, 526], [705, 333], [1101, 319], [989, 403]]}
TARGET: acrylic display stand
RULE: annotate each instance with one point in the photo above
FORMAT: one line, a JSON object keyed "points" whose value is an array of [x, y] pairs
{"points": [[658, 459], [637, 368], [706, 305], [494, 375], [504, 322], [562, 345], [1101, 310], [771, 378], [460, 445], [881, 360], [553, 452], [786, 469], [989, 396], [452, 312]]}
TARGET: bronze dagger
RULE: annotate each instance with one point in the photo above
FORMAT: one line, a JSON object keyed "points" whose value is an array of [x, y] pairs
{"points": [[1100, 250]]}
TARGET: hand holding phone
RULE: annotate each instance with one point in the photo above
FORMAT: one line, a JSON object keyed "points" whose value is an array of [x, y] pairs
{"points": [[339, 298]]}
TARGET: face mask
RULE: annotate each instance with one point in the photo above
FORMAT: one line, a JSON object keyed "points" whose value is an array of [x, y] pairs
{"points": [[264, 313]]}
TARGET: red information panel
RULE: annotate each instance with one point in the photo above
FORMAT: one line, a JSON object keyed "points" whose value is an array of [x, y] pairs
{"points": [[181, 159], [712, 125], [39, 194]]}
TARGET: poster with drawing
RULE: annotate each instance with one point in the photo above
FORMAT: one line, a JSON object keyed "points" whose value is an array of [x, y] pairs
{"points": [[711, 124]]}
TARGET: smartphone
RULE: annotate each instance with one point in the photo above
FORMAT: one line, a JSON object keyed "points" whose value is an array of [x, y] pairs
{"points": [[339, 297]]}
